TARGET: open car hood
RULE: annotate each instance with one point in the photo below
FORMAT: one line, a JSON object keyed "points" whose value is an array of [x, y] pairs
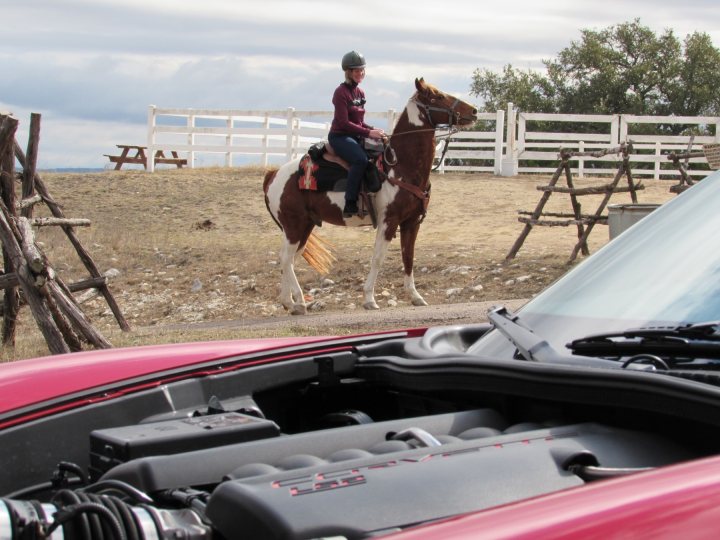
{"points": [[350, 437]]}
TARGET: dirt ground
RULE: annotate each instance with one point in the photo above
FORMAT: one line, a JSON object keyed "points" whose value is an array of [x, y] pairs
{"points": [[198, 246]]}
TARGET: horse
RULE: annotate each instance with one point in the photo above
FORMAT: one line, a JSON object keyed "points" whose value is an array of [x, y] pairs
{"points": [[401, 202]]}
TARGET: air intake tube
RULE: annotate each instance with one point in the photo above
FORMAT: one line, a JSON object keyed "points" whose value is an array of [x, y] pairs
{"points": [[74, 515]]}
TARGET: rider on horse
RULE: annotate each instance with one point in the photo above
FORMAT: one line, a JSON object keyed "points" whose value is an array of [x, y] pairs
{"points": [[348, 127]]}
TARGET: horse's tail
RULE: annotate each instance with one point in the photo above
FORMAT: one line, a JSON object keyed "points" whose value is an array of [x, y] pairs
{"points": [[318, 254]]}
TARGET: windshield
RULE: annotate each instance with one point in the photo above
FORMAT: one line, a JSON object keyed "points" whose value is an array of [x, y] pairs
{"points": [[666, 269]]}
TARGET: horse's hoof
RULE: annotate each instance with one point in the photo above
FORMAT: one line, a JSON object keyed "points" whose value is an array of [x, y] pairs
{"points": [[298, 309], [371, 305], [419, 302]]}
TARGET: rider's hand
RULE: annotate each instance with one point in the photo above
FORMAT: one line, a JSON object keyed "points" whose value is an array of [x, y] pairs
{"points": [[376, 134]]}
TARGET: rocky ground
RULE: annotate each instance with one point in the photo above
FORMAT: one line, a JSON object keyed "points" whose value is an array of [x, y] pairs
{"points": [[198, 246]]}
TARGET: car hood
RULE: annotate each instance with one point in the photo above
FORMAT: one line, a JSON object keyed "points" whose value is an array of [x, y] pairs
{"points": [[26, 382]]}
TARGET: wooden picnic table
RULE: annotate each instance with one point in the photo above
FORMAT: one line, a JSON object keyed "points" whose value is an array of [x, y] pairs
{"points": [[138, 157]]}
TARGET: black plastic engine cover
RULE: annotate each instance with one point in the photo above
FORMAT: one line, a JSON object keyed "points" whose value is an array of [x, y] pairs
{"points": [[111, 447], [354, 497]]}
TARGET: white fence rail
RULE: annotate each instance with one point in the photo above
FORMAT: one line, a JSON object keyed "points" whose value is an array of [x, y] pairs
{"points": [[542, 147], [652, 148], [205, 135], [478, 151], [508, 143]]}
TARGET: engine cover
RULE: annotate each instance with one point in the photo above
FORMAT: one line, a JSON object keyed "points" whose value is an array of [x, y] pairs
{"points": [[354, 492]]}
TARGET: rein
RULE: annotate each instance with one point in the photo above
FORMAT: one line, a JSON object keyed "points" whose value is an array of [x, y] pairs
{"points": [[445, 136], [442, 156], [423, 195], [388, 151], [428, 109]]}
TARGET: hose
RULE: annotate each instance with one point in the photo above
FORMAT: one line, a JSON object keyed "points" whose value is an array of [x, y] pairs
{"points": [[85, 515], [94, 517]]}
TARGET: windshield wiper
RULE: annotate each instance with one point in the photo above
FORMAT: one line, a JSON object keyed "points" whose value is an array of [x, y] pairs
{"points": [[533, 347], [691, 341]]}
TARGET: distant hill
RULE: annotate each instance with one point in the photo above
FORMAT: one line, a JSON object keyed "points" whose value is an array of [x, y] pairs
{"points": [[73, 170]]}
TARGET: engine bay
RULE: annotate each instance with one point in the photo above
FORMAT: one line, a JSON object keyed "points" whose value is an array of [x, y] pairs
{"points": [[350, 444]]}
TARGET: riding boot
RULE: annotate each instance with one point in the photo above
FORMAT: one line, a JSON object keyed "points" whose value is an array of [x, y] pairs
{"points": [[351, 209]]}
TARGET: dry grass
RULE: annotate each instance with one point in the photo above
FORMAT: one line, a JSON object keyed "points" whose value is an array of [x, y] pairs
{"points": [[198, 246]]}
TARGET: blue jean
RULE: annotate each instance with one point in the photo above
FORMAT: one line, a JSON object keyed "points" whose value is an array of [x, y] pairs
{"points": [[348, 148]]}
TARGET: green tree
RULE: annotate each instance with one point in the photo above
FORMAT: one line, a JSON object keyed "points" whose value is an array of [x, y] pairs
{"points": [[527, 90], [696, 90], [625, 68], [617, 70]]}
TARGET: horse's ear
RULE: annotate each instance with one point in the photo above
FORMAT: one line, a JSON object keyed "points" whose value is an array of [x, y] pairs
{"points": [[420, 84]]}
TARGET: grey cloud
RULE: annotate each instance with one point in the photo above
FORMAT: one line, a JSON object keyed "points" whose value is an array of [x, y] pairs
{"points": [[65, 57]]}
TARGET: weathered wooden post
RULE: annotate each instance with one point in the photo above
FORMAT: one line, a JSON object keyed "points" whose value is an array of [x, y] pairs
{"points": [[11, 298], [63, 325]]}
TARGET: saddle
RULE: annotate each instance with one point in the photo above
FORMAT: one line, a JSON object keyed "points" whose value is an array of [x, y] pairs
{"points": [[321, 169]]}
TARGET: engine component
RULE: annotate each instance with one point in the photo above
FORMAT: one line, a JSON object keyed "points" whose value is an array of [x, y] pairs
{"points": [[110, 447], [81, 516], [358, 491]]}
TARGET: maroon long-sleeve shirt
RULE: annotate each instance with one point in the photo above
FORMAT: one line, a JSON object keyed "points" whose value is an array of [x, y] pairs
{"points": [[349, 119]]}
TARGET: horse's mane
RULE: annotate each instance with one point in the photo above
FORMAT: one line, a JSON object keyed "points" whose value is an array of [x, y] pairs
{"points": [[434, 89]]}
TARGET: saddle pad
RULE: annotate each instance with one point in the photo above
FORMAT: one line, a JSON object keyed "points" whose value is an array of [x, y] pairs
{"points": [[321, 176]]}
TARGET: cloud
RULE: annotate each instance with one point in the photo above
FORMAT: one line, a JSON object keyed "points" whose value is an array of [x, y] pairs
{"points": [[100, 63]]}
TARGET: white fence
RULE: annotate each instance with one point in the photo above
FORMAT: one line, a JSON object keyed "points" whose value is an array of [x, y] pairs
{"points": [[652, 148], [508, 142], [542, 147], [205, 135], [478, 151]]}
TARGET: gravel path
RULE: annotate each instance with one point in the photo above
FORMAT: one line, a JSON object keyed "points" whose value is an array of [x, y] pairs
{"points": [[362, 320]]}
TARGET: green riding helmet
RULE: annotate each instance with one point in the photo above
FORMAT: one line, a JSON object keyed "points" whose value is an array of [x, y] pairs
{"points": [[353, 60]]}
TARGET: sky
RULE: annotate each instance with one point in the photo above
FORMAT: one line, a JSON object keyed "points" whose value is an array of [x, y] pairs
{"points": [[91, 68]]}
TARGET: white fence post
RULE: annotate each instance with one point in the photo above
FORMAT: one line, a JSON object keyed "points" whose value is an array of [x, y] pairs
{"points": [[265, 145], [191, 139], [623, 135], [151, 138], [615, 137], [499, 132], [391, 119], [290, 133], [228, 141], [510, 160]]}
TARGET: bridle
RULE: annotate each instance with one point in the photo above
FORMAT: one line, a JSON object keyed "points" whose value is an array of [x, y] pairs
{"points": [[453, 117]]}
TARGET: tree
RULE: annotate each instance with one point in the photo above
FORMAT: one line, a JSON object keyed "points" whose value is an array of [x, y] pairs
{"points": [[527, 90], [625, 68], [696, 91]]}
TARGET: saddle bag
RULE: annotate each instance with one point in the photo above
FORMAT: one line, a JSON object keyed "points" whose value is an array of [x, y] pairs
{"points": [[372, 177], [373, 147]]}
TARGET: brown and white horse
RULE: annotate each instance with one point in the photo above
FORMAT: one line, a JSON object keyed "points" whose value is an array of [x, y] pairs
{"points": [[400, 203]]}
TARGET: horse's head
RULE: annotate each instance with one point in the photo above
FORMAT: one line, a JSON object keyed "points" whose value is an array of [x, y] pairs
{"points": [[442, 109]]}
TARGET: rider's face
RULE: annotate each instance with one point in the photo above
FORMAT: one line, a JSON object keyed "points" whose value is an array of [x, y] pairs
{"points": [[357, 74]]}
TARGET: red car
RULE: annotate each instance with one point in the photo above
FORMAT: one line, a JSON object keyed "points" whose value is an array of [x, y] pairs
{"points": [[592, 412]]}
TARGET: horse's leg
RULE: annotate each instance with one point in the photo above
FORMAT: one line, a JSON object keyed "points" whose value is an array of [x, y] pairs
{"points": [[291, 294], [382, 241], [289, 286], [408, 236]]}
